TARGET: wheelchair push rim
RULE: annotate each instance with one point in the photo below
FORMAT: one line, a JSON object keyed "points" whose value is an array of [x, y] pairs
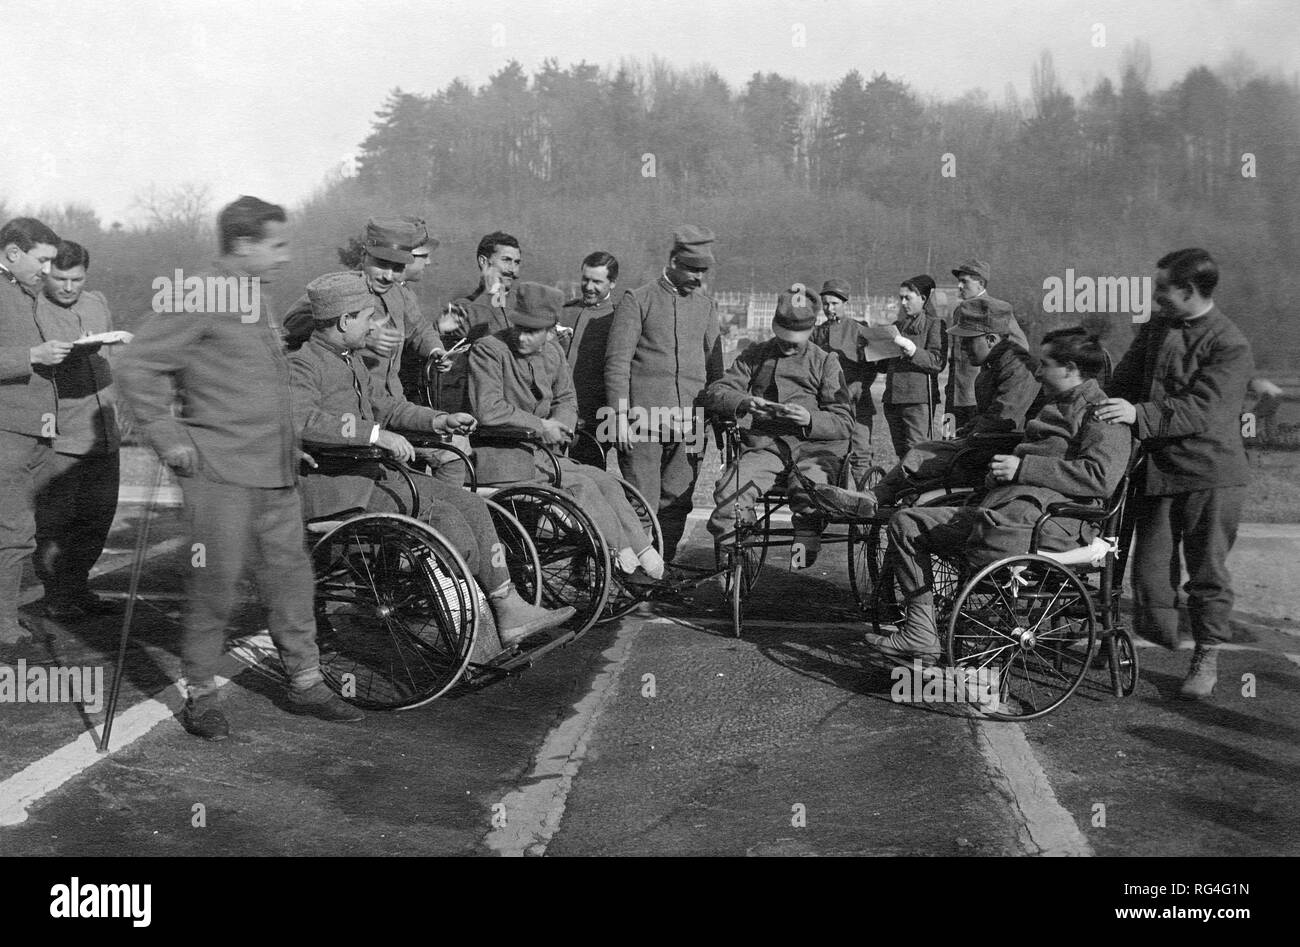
{"points": [[397, 611], [573, 556], [1031, 621]]}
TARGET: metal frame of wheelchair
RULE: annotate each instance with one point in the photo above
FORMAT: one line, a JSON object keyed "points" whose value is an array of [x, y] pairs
{"points": [[745, 550], [399, 614], [1041, 620]]}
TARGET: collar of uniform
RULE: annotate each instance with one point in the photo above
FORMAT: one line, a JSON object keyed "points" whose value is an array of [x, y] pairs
{"points": [[344, 354], [1197, 324], [666, 284], [1087, 390], [10, 278]]}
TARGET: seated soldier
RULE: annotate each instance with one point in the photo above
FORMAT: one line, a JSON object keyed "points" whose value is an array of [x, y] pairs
{"points": [[802, 413], [1006, 393], [337, 401], [1066, 454], [519, 378]]}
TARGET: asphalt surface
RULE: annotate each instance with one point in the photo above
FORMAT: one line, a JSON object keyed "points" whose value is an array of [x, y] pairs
{"points": [[665, 735]]}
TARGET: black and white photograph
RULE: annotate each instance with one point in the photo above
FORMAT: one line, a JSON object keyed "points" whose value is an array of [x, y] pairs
{"points": [[581, 428]]}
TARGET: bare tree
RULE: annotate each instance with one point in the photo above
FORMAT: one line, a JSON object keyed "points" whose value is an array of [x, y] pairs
{"points": [[184, 207]]}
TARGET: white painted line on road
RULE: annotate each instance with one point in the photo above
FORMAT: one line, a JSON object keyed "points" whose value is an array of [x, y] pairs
{"points": [[533, 812], [30, 785], [1044, 827]]}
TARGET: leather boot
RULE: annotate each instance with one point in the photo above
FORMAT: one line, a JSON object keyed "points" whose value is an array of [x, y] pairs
{"points": [[517, 619], [1203, 674], [917, 639]]}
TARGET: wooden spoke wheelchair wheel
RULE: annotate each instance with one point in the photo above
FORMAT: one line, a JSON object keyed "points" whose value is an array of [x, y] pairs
{"points": [[521, 554], [396, 611], [1031, 621], [573, 556], [625, 597]]}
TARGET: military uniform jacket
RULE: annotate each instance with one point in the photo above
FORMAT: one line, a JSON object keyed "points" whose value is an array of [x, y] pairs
{"points": [[403, 311], [521, 391], [337, 400], [87, 400], [811, 378], [960, 391], [914, 379], [1066, 455], [664, 348], [585, 351], [232, 379], [1004, 390], [1187, 381], [27, 398], [483, 319], [844, 338]]}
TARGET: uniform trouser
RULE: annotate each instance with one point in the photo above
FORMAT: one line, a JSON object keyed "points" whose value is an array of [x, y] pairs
{"points": [[864, 418], [665, 473], [73, 516], [914, 534], [460, 516], [755, 472], [241, 527], [24, 468], [962, 415], [1204, 522], [602, 498], [925, 461], [909, 424]]}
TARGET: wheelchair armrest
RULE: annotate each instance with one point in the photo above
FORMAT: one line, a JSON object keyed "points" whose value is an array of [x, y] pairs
{"points": [[505, 433], [1092, 514], [344, 451], [426, 438]]}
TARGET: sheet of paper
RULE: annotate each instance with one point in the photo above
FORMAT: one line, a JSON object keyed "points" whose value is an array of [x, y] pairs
{"points": [[880, 342], [104, 338]]}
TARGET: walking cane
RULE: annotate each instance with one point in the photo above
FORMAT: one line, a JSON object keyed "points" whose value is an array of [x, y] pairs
{"points": [[141, 544]]}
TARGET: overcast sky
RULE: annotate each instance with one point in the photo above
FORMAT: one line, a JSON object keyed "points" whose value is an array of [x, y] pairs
{"points": [[104, 97]]}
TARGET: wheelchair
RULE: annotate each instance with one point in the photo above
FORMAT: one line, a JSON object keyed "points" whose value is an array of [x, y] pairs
{"points": [[576, 559], [870, 566], [1038, 622], [400, 620], [744, 552]]}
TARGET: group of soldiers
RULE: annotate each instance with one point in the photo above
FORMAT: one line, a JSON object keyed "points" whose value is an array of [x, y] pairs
{"points": [[233, 400]]}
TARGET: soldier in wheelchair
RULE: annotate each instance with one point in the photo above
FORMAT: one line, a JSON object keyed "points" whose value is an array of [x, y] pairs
{"points": [[1066, 455], [520, 383], [336, 401], [1006, 393], [802, 419]]}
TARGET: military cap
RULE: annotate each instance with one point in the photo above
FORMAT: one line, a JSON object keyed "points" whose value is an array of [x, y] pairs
{"points": [[693, 245], [981, 316], [974, 268], [391, 239], [336, 294], [836, 287], [422, 236], [537, 306], [796, 312]]}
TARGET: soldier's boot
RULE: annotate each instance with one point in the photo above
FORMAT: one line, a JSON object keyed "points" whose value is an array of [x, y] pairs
{"points": [[1203, 674], [917, 639]]}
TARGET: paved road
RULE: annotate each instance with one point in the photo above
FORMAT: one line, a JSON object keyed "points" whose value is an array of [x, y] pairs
{"points": [[664, 735]]}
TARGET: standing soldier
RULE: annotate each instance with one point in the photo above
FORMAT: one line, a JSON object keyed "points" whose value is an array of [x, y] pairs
{"points": [[1181, 386], [843, 336], [28, 408], [912, 379], [75, 510], [234, 449], [482, 312], [584, 335], [664, 349], [959, 394]]}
